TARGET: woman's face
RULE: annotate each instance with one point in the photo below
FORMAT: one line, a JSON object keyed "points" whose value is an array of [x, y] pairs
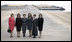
{"points": [[34, 16], [24, 15], [12, 15], [29, 14], [18, 16], [40, 16]]}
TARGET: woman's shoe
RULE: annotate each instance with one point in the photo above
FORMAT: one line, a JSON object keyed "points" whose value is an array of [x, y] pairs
{"points": [[34, 36], [11, 36], [24, 36], [29, 35], [39, 36], [18, 36]]}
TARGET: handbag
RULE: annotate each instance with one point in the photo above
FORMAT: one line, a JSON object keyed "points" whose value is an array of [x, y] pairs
{"points": [[9, 31]]}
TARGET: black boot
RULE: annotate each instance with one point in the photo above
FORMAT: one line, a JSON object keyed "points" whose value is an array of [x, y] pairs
{"points": [[34, 36]]}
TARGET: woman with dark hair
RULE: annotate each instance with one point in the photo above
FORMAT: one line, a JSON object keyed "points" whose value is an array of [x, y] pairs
{"points": [[24, 24], [40, 24], [11, 23], [18, 24], [35, 24], [30, 19]]}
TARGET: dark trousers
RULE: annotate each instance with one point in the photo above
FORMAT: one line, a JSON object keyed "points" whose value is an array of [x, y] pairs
{"points": [[24, 31]]}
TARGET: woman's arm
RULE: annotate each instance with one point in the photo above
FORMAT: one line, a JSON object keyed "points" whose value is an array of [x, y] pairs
{"points": [[16, 22], [42, 21]]}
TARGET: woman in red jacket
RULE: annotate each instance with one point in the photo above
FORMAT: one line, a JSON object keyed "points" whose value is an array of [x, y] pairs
{"points": [[11, 23]]}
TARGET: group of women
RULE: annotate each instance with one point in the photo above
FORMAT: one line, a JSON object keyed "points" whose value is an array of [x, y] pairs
{"points": [[33, 24]]}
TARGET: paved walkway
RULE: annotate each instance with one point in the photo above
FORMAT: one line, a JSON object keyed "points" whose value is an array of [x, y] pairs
{"points": [[52, 31]]}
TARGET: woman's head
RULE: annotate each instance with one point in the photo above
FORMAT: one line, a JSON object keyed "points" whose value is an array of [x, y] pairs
{"points": [[40, 15], [12, 14], [34, 15], [29, 15], [18, 15], [24, 15]]}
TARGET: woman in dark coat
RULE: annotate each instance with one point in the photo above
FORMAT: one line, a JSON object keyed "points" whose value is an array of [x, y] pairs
{"points": [[40, 24], [35, 24], [18, 24], [29, 23], [24, 24]]}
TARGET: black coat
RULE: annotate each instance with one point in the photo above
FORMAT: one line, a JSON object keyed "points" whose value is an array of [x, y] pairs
{"points": [[18, 22], [34, 30], [40, 23], [29, 23], [24, 24]]}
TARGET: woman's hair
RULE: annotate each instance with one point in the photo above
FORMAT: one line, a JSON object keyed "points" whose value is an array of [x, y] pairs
{"points": [[39, 15], [34, 15], [24, 14], [19, 15], [30, 15], [12, 14]]}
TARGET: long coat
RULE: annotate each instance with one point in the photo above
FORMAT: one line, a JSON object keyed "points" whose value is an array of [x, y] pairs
{"points": [[24, 24], [29, 23], [40, 23], [18, 22], [34, 29], [11, 23]]}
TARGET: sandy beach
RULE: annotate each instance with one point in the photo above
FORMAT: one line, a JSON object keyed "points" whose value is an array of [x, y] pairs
{"points": [[57, 26]]}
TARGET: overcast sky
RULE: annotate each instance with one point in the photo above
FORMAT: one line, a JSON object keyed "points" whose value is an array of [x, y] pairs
{"points": [[65, 4]]}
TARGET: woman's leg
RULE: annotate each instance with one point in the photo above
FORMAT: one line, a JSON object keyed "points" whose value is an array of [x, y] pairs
{"points": [[30, 33], [24, 32], [40, 32], [11, 34], [18, 34]]}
